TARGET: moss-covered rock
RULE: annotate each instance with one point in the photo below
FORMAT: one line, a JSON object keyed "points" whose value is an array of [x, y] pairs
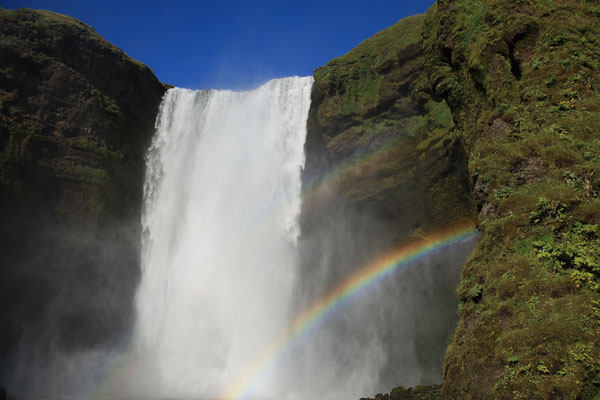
{"points": [[496, 102], [417, 393], [76, 115], [482, 109], [385, 166], [386, 141], [521, 79]]}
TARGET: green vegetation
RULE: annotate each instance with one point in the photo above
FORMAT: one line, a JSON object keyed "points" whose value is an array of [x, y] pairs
{"points": [[76, 115], [521, 79], [416, 393], [41, 21], [481, 105], [362, 72], [391, 137], [81, 141]]}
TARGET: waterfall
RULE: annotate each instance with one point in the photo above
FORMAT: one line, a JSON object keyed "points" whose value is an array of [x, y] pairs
{"points": [[220, 221], [234, 303]]}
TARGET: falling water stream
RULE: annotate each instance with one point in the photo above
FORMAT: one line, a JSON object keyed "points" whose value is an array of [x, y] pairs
{"points": [[222, 198], [229, 287]]}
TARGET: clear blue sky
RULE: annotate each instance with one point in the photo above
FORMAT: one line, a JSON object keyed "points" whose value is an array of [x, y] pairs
{"points": [[232, 44]]}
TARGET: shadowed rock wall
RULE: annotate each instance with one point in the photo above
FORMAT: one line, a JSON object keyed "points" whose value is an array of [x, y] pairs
{"points": [[494, 104], [385, 166], [76, 117]]}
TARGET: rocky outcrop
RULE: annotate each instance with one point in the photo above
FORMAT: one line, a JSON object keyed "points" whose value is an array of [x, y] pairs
{"points": [[491, 105], [385, 166], [76, 115], [385, 140], [521, 79], [416, 393]]}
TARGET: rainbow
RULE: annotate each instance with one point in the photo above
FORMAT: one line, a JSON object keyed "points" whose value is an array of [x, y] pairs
{"points": [[318, 187], [366, 277]]}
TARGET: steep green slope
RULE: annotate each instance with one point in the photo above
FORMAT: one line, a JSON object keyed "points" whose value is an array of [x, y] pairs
{"points": [[385, 166], [494, 102], [521, 78], [389, 139], [76, 115]]}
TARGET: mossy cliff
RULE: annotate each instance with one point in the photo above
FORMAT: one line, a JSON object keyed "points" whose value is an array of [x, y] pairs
{"points": [[375, 120], [384, 166], [76, 115], [521, 78], [480, 111], [489, 111]]}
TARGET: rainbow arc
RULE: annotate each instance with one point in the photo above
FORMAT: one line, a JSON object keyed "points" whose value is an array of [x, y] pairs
{"points": [[366, 277]]}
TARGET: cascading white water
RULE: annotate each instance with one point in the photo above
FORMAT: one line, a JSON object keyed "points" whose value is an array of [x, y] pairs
{"points": [[225, 272], [222, 198]]}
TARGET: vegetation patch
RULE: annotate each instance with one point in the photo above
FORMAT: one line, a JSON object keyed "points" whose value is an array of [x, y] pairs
{"points": [[532, 142]]}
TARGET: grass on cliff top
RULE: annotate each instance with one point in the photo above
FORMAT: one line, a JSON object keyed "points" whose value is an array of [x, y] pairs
{"points": [[49, 21], [385, 45], [359, 72]]}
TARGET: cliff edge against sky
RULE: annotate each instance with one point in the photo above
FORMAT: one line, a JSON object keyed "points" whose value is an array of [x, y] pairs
{"points": [[76, 117]]}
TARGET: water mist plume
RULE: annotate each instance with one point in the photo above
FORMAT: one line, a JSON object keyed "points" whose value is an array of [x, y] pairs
{"points": [[233, 298]]}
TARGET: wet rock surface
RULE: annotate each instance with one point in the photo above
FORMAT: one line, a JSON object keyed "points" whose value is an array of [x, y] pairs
{"points": [[416, 393], [76, 117]]}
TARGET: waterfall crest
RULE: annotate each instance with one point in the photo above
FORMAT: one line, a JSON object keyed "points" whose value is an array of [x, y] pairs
{"points": [[222, 199]]}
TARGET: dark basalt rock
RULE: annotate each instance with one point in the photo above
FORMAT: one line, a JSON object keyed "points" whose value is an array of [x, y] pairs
{"points": [[76, 117], [416, 393], [395, 171]]}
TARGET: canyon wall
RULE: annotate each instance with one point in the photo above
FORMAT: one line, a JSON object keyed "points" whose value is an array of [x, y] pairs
{"points": [[76, 117], [483, 111]]}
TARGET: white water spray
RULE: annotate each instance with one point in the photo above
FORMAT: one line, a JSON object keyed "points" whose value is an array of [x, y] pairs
{"points": [[222, 198], [221, 277]]}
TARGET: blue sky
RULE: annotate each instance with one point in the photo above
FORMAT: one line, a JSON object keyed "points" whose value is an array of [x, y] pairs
{"points": [[232, 44]]}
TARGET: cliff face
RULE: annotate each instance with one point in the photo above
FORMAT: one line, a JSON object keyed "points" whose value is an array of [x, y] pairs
{"points": [[390, 139], [76, 115], [385, 165], [491, 105], [522, 81]]}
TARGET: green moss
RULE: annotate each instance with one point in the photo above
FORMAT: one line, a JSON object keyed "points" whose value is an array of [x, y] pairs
{"points": [[43, 20], [80, 158], [531, 65], [595, 11], [84, 173], [417, 393], [359, 73], [390, 138]]}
